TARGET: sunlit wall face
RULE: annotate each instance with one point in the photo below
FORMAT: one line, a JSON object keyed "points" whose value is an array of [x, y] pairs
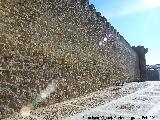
{"points": [[137, 21], [25, 111]]}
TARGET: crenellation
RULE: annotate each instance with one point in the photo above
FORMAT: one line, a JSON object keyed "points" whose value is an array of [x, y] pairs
{"points": [[98, 15], [104, 19], [84, 2], [92, 7], [108, 25], [112, 28], [115, 32], [118, 35]]}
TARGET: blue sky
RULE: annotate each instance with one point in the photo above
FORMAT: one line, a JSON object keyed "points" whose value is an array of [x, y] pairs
{"points": [[137, 20]]}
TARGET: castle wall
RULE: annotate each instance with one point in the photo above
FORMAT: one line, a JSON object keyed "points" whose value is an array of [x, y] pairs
{"points": [[159, 73], [141, 51], [63, 41], [153, 75]]}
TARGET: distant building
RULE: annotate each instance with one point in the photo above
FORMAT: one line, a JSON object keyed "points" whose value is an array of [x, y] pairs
{"points": [[153, 72], [159, 72]]}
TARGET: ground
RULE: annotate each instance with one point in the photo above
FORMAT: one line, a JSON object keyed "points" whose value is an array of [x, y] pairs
{"points": [[133, 101]]}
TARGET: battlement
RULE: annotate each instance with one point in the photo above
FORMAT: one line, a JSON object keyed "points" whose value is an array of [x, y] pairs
{"points": [[140, 49], [84, 4], [67, 42]]}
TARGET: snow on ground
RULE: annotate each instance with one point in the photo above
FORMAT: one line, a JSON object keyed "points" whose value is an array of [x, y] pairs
{"points": [[130, 100], [135, 106]]}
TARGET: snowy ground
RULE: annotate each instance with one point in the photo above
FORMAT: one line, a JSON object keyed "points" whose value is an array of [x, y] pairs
{"points": [[142, 104], [133, 101]]}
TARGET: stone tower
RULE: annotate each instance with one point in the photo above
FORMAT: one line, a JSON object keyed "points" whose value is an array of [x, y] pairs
{"points": [[141, 51]]}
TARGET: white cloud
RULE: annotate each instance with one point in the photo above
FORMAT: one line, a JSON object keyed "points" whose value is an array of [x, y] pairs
{"points": [[151, 3]]}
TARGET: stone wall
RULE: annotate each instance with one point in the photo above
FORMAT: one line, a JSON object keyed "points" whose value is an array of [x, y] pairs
{"points": [[153, 72], [58, 40], [153, 75], [141, 51]]}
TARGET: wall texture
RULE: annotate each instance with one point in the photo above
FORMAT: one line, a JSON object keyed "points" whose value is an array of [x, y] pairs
{"points": [[141, 51], [153, 75], [58, 40]]}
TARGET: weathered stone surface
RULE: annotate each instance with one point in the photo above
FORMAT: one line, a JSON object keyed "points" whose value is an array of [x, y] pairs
{"points": [[47, 40], [141, 51]]}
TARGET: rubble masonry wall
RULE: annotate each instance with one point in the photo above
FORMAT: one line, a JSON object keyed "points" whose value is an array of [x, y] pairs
{"points": [[58, 40]]}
